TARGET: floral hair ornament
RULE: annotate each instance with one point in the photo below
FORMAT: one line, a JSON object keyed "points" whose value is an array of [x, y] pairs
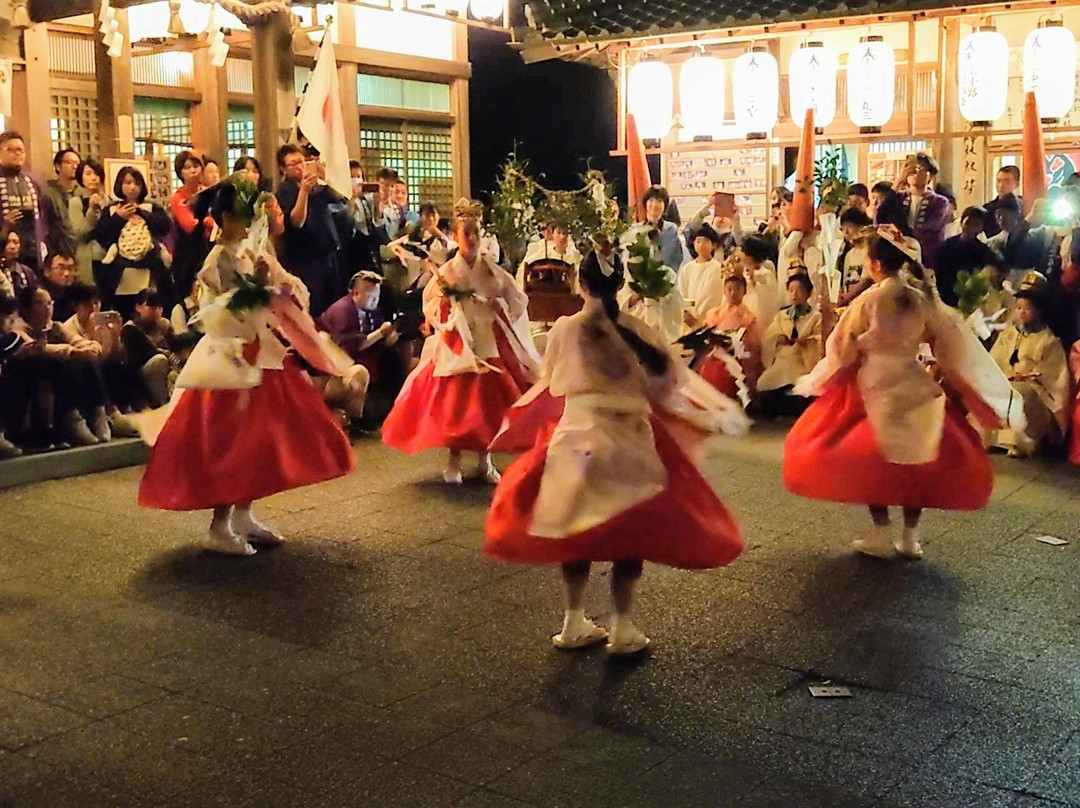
{"points": [[469, 209], [891, 233], [604, 251]]}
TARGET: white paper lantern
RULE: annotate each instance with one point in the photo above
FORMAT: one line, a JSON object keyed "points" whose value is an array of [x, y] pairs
{"points": [[871, 83], [812, 84], [486, 9], [756, 88], [984, 75], [650, 98], [701, 96], [1050, 69]]}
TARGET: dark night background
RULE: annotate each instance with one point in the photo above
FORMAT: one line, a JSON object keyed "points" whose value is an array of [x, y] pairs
{"points": [[560, 115]]}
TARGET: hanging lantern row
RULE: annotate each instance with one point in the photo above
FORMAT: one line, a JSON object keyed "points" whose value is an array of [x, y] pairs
{"points": [[1050, 57], [755, 83], [1049, 72]]}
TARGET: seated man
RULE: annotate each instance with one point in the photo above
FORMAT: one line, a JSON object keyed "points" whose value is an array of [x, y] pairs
{"points": [[145, 338], [58, 277], [57, 366], [360, 328]]}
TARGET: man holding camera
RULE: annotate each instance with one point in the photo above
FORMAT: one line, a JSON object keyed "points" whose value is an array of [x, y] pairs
{"points": [[311, 243]]}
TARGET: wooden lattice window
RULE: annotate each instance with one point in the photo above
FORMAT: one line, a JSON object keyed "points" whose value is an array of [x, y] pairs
{"points": [[239, 134], [162, 126], [73, 124], [421, 152]]}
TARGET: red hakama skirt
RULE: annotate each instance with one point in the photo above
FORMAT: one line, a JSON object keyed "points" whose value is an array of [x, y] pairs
{"points": [[831, 453], [685, 525], [715, 372], [224, 447], [1074, 437], [461, 412]]}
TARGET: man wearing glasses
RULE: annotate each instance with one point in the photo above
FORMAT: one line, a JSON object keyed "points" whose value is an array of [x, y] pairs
{"points": [[21, 202], [58, 195], [311, 243]]}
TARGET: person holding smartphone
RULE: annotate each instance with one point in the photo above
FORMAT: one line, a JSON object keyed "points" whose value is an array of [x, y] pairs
{"points": [[21, 201], [310, 243]]}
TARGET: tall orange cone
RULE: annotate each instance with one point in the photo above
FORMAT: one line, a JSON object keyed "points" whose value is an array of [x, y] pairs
{"points": [[1034, 153], [801, 217], [637, 169]]}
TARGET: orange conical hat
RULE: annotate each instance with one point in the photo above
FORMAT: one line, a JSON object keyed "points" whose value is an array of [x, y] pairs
{"points": [[801, 217], [1034, 152]]}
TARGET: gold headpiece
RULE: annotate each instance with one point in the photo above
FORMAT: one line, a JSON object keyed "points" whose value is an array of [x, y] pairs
{"points": [[469, 208]]}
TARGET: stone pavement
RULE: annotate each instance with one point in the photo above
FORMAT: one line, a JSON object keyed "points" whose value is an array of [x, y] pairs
{"points": [[378, 659]]}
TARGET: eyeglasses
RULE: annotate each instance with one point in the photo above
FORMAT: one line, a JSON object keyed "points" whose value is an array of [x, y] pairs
{"points": [[294, 164]]}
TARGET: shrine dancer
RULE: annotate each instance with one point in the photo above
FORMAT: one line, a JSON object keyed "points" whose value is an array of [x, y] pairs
{"points": [[244, 423], [608, 476], [884, 432], [478, 361]]}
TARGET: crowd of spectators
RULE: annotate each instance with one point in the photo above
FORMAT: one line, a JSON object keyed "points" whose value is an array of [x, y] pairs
{"points": [[99, 294]]}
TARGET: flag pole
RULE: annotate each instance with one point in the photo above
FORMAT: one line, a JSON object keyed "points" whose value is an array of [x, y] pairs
{"points": [[300, 101]]}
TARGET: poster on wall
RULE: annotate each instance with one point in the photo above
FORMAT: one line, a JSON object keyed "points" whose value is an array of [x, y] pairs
{"points": [[692, 177], [114, 164]]}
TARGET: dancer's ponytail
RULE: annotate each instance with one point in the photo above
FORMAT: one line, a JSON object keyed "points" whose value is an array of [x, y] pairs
{"points": [[604, 287]]}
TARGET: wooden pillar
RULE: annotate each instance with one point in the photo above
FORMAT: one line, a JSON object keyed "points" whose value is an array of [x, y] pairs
{"points": [[32, 101], [459, 108], [115, 93], [209, 115], [963, 153], [350, 107], [275, 88], [347, 76]]}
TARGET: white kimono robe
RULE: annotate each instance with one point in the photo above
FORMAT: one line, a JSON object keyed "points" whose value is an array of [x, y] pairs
{"points": [[496, 303], [881, 333], [701, 284], [784, 364], [1046, 397], [602, 458]]}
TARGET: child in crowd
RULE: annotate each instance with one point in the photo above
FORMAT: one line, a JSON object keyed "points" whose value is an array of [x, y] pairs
{"points": [[733, 316], [245, 422], [611, 482], [761, 295], [851, 263], [790, 348], [701, 281], [146, 340], [1032, 357]]}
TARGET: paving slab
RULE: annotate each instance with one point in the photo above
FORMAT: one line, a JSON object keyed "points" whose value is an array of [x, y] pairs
{"points": [[379, 659]]}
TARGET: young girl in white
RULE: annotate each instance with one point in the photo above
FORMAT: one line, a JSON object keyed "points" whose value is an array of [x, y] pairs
{"points": [[607, 477], [244, 423]]}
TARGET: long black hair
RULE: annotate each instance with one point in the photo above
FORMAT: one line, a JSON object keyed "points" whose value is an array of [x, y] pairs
{"points": [[893, 260], [604, 288], [135, 174]]}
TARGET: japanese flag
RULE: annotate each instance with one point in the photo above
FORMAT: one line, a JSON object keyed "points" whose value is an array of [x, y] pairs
{"points": [[321, 120]]}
